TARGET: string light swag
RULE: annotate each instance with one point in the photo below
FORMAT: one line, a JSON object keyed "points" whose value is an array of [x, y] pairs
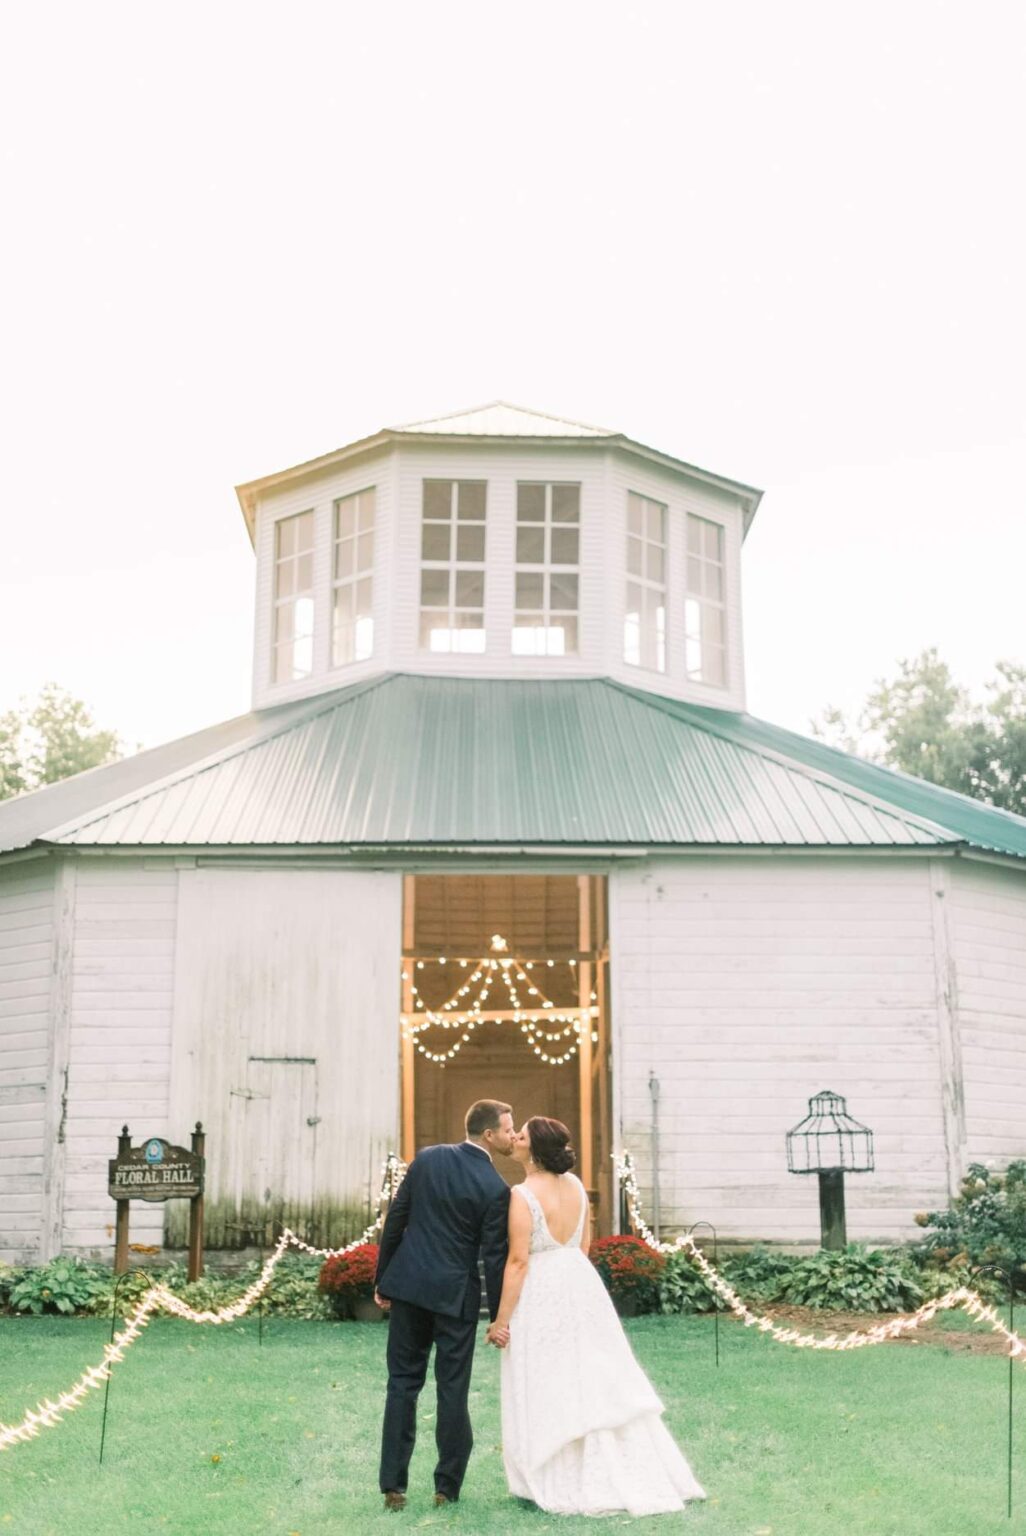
{"points": [[50, 1412], [969, 1301], [534, 1016]]}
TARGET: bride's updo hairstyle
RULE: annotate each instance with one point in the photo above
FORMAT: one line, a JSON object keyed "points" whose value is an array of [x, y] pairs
{"points": [[550, 1144]]}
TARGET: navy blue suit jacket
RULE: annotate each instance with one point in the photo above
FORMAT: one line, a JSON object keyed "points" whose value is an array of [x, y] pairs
{"points": [[451, 1205]]}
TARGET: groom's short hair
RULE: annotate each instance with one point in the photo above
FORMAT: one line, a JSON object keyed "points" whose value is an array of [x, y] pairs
{"points": [[484, 1115]]}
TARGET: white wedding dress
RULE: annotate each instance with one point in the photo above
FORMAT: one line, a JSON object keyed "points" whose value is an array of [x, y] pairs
{"points": [[582, 1432]]}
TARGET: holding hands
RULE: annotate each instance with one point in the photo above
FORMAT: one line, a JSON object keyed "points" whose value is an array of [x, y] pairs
{"points": [[498, 1334]]}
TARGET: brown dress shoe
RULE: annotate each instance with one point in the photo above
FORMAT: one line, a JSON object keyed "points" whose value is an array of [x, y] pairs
{"points": [[395, 1500], [443, 1498]]}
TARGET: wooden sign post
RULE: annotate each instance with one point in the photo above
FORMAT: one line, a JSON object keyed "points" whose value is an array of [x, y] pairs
{"points": [[156, 1170]]}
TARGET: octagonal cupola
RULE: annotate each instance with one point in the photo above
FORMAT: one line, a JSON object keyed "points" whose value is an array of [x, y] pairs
{"points": [[499, 542]]}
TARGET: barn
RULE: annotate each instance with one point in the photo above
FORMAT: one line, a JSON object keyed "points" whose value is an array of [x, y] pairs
{"points": [[499, 823]]}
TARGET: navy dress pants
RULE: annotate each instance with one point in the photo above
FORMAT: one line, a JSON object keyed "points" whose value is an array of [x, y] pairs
{"points": [[411, 1332]]}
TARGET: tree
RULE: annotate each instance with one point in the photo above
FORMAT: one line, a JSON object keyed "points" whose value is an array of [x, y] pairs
{"points": [[50, 739], [926, 724]]}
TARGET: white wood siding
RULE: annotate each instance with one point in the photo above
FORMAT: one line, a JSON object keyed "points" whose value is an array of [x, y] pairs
{"points": [[605, 478], [299, 964], [119, 1051], [26, 960], [748, 985], [988, 934]]}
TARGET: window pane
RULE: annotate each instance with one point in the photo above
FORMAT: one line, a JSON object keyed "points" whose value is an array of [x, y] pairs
{"points": [[528, 639], [435, 634], [472, 500], [635, 514], [344, 558], [434, 589], [345, 517], [694, 574], [304, 616], [363, 597], [470, 541], [712, 625], [284, 627], [435, 541], [692, 617], [438, 499], [469, 641], [566, 630], [365, 552], [531, 503], [566, 503], [694, 535], [304, 572], [564, 546], [470, 589], [714, 582], [713, 540], [634, 556], [563, 590], [286, 531], [343, 605], [286, 581], [366, 514], [283, 665], [530, 589], [530, 545], [654, 521], [364, 638], [654, 562]]}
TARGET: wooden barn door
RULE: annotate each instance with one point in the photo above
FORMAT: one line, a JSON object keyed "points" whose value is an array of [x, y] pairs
{"points": [[284, 1045]]}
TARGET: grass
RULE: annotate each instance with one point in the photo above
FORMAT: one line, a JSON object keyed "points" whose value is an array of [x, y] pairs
{"points": [[211, 1435]]}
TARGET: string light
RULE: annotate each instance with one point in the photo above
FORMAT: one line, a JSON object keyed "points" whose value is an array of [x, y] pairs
{"points": [[969, 1301]]}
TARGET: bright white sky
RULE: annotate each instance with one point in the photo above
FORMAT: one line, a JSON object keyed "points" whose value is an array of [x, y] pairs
{"points": [[784, 242]]}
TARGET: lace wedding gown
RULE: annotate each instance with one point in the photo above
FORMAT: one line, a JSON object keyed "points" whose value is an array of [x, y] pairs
{"points": [[582, 1432]]}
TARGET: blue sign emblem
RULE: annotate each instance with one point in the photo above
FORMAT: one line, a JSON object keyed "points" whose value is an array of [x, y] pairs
{"points": [[154, 1152]]}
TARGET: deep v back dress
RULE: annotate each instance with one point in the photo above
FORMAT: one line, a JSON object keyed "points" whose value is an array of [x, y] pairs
{"points": [[582, 1429]]}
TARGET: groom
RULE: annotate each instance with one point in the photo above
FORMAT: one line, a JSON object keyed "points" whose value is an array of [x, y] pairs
{"points": [[451, 1205]]}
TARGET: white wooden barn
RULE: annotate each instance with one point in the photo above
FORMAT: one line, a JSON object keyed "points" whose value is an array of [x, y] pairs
{"points": [[499, 690]]}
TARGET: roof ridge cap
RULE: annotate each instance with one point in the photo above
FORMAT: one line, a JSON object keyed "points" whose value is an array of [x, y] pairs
{"points": [[820, 776], [212, 760]]}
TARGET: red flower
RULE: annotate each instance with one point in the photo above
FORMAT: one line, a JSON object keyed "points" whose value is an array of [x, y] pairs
{"points": [[350, 1274], [629, 1267]]}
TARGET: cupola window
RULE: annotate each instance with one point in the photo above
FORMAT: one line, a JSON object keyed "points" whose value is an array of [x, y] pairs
{"points": [[293, 598], [452, 572], [705, 604], [547, 569], [644, 629], [352, 632]]}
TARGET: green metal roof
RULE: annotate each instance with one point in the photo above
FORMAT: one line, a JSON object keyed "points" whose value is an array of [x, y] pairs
{"points": [[411, 761]]}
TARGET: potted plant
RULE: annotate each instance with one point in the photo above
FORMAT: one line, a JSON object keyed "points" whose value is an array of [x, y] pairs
{"points": [[347, 1282], [631, 1271]]}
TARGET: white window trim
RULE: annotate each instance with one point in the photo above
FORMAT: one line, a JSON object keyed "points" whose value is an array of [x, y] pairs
{"points": [[454, 567], [358, 574], [547, 617], [280, 603], [700, 601], [660, 640]]}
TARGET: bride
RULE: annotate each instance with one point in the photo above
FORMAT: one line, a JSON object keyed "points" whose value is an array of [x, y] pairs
{"points": [[582, 1432]]}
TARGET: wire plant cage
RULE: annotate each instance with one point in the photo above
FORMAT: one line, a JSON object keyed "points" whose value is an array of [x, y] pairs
{"points": [[830, 1143], [829, 1140]]}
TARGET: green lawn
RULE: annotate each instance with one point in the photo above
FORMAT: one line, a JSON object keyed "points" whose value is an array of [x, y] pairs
{"points": [[898, 1439]]}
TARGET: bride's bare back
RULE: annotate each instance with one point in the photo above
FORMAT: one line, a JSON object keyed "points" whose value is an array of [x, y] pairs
{"points": [[559, 1195]]}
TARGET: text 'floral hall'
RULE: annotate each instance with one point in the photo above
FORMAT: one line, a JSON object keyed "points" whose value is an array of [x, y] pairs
{"points": [[499, 824]]}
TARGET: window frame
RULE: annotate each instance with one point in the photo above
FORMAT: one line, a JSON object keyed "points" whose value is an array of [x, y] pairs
{"points": [[355, 577], [546, 568], [652, 648], [698, 603], [291, 600], [455, 567]]}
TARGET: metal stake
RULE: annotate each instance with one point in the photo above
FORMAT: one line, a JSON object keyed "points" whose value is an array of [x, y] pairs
{"points": [[113, 1324], [716, 1300], [1006, 1274]]}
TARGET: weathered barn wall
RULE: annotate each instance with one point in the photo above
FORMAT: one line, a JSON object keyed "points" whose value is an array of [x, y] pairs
{"points": [[119, 1039], [748, 984], [988, 937], [26, 964], [286, 1042]]}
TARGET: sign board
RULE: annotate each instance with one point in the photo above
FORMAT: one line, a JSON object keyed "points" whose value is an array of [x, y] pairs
{"points": [[155, 1170]]}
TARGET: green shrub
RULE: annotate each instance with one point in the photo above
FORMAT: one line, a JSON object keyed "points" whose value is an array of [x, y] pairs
{"points": [[683, 1289], [759, 1275], [64, 1285], [854, 1279], [630, 1270], [985, 1224]]}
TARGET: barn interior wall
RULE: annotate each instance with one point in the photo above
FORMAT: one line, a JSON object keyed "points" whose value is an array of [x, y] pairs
{"points": [[26, 961], [988, 938], [747, 985]]}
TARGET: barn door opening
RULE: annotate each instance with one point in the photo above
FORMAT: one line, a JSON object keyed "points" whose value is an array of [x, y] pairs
{"points": [[505, 995], [273, 1145]]}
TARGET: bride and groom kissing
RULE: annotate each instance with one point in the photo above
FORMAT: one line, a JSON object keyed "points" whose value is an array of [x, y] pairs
{"points": [[582, 1429]]}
